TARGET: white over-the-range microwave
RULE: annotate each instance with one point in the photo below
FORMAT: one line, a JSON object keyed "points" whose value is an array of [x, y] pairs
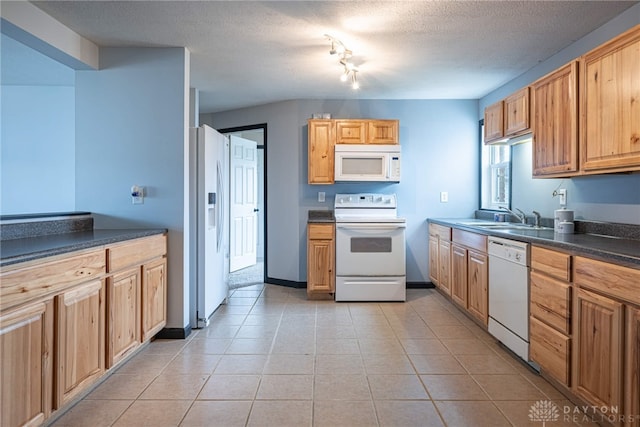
{"points": [[367, 162]]}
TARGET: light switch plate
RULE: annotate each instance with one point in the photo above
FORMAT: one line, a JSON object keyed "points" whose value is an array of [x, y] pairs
{"points": [[444, 197], [321, 197]]}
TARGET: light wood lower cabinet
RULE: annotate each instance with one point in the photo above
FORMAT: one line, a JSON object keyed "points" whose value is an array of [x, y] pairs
{"points": [[320, 260], [598, 339], [26, 364], [80, 355], [440, 257], [478, 286], [459, 275], [470, 273], [550, 313], [632, 368], [154, 297], [78, 314], [123, 318]]}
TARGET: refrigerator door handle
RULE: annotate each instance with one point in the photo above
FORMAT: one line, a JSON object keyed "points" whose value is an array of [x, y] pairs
{"points": [[220, 206]]}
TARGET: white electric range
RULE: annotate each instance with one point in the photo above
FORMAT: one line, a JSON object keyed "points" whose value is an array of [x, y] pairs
{"points": [[370, 248]]}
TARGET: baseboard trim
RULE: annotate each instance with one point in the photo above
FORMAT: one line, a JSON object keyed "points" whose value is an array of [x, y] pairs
{"points": [[420, 285], [287, 283], [174, 333]]}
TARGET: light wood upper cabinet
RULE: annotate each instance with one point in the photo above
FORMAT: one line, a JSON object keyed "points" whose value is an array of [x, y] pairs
{"points": [[507, 118], [610, 105], [80, 339], [517, 113], [382, 132], [26, 362], [123, 317], [321, 151], [320, 260], [154, 297], [493, 122], [351, 131], [555, 123]]}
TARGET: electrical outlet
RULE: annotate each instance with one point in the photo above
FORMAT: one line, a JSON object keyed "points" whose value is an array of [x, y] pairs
{"points": [[321, 197], [444, 197], [562, 194]]}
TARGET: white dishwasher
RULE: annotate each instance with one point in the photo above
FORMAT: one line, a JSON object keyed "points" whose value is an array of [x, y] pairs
{"points": [[509, 294]]}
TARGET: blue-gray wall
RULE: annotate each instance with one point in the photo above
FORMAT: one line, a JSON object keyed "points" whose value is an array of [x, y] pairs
{"points": [[37, 132], [439, 140], [131, 121]]}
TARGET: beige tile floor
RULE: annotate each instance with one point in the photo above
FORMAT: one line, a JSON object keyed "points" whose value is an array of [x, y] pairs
{"points": [[272, 358]]}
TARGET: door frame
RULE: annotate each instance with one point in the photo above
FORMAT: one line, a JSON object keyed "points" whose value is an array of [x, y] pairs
{"points": [[262, 147]]}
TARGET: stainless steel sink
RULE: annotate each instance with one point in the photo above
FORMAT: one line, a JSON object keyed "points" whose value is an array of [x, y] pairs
{"points": [[501, 225]]}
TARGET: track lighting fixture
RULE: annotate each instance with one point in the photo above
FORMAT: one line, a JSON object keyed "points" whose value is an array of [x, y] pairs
{"points": [[344, 55]]}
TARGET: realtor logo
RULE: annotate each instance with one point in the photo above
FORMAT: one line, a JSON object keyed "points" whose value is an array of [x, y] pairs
{"points": [[544, 410]]}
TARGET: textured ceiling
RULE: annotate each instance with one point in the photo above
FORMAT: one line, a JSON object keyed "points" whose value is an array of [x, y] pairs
{"points": [[248, 53]]}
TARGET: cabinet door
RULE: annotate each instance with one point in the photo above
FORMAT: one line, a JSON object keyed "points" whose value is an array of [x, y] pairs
{"points": [[477, 286], [382, 132], [516, 113], [444, 266], [433, 259], [123, 317], [321, 152], [493, 122], [597, 353], [632, 367], [26, 345], [555, 123], [320, 265], [351, 131], [154, 298], [610, 125], [80, 335], [459, 275]]}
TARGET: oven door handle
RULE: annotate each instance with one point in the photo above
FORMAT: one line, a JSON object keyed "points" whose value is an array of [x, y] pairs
{"points": [[366, 226]]}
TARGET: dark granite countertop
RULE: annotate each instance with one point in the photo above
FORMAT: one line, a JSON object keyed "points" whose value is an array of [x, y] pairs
{"points": [[30, 248], [618, 250], [321, 216]]}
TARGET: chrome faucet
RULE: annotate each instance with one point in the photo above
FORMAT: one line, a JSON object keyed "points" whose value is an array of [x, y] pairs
{"points": [[537, 219], [521, 216]]}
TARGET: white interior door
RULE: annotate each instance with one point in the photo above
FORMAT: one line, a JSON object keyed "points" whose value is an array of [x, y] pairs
{"points": [[244, 203]]}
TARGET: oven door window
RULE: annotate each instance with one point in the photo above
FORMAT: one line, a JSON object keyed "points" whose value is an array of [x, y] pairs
{"points": [[371, 244]]}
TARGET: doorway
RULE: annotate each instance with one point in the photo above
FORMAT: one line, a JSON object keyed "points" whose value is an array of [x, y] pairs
{"points": [[247, 251]]}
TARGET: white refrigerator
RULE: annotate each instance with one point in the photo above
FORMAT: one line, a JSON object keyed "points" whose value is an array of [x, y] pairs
{"points": [[209, 201]]}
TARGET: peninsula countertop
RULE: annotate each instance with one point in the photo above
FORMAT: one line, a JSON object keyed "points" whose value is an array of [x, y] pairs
{"points": [[30, 248]]}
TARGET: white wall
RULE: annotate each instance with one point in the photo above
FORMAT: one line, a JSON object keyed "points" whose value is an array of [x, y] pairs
{"points": [[612, 197], [131, 121], [439, 142]]}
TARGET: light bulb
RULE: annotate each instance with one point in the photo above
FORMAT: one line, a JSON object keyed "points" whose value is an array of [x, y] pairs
{"points": [[344, 76], [354, 82]]}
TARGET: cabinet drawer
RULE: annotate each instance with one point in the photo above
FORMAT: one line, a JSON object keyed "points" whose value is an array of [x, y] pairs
{"points": [[556, 264], [440, 231], [615, 280], [471, 240], [551, 301], [321, 231], [550, 349], [135, 252], [19, 285]]}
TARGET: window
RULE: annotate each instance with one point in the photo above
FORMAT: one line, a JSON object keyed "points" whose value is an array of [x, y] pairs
{"points": [[495, 175]]}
